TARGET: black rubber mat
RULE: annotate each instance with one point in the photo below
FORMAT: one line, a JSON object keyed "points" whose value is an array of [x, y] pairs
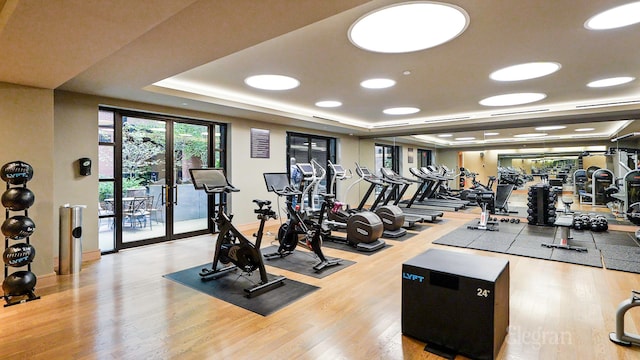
{"points": [[349, 248], [524, 240], [230, 288], [407, 236], [302, 262]]}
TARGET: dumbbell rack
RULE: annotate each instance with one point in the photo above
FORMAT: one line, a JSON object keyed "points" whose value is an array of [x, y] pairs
{"points": [[30, 295], [541, 201]]}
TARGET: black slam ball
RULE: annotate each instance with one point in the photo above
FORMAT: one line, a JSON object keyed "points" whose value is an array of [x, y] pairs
{"points": [[18, 199], [16, 172], [19, 255], [19, 283], [18, 227]]}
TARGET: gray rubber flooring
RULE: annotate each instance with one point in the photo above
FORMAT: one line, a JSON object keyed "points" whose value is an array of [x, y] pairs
{"points": [[613, 250]]}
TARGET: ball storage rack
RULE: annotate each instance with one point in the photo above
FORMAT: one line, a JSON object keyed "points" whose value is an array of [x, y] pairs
{"points": [[29, 295]]}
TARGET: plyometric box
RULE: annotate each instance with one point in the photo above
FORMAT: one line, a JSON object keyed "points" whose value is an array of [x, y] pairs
{"points": [[456, 301]]}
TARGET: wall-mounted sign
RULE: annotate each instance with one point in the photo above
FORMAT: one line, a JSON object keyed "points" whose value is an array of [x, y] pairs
{"points": [[260, 143]]}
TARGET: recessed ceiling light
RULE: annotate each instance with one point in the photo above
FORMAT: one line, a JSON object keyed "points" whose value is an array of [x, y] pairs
{"points": [[406, 72], [526, 71], [467, 138], [401, 110], [445, 135], [408, 27], [491, 134], [611, 81], [530, 135], [272, 82], [328, 103], [585, 129], [512, 99], [377, 83], [616, 17], [552, 127]]}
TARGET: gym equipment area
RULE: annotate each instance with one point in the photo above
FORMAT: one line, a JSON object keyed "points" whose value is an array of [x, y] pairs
{"points": [[293, 180]]}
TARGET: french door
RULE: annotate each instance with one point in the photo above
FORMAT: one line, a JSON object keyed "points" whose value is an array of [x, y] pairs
{"points": [[153, 198]]}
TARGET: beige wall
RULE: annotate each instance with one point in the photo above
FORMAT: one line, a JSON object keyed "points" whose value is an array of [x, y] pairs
{"points": [[594, 160], [484, 162], [76, 119], [26, 119]]}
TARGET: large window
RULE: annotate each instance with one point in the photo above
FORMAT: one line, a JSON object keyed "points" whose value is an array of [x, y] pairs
{"points": [[424, 158], [388, 157], [303, 148]]}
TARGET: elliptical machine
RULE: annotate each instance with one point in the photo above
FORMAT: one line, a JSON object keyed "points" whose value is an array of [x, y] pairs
{"points": [[391, 215], [232, 247], [296, 230], [363, 228]]}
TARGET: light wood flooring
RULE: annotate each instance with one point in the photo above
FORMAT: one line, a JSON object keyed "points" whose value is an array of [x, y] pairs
{"points": [[120, 307]]}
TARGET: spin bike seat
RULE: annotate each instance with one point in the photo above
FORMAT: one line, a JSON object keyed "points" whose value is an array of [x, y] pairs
{"points": [[262, 203]]}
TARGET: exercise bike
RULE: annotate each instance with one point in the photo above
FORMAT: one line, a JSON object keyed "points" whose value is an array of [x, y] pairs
{"points": [[297, 230], [232, 247]]}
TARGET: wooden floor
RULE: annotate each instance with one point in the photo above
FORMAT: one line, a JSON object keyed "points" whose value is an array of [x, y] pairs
{"points": [[120, 307]]}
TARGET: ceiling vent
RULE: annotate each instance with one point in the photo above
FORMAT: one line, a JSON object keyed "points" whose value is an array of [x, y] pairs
{"points": [[520, 112], [608, 104]]}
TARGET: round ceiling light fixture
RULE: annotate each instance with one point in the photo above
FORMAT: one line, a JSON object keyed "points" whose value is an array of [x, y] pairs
{"points": [[272, 82], [408, 27], [619, 16], [525, 71], [512, 99], [328, 103], [379, 83], [614, 81], [401, 110]]}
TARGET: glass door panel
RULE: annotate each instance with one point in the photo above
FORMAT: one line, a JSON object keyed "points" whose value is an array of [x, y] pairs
{"points": [[190, 150], [143, 179], [303, 148]]}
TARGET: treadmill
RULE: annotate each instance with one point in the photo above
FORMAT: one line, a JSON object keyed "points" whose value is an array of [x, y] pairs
{"points": [[392, 176], [423, 196]]}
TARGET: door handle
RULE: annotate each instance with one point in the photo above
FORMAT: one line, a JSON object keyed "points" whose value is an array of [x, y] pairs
{"points": [[165, 195], [175, 192]]}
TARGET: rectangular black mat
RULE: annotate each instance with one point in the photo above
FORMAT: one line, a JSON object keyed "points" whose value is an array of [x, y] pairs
{"points": [[230, 288], [405, 237], [419, 227], [302, 262], [524, 240], [348, 248]]}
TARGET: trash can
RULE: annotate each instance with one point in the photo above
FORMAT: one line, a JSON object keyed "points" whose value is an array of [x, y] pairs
{"points": [[70, 252]]}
